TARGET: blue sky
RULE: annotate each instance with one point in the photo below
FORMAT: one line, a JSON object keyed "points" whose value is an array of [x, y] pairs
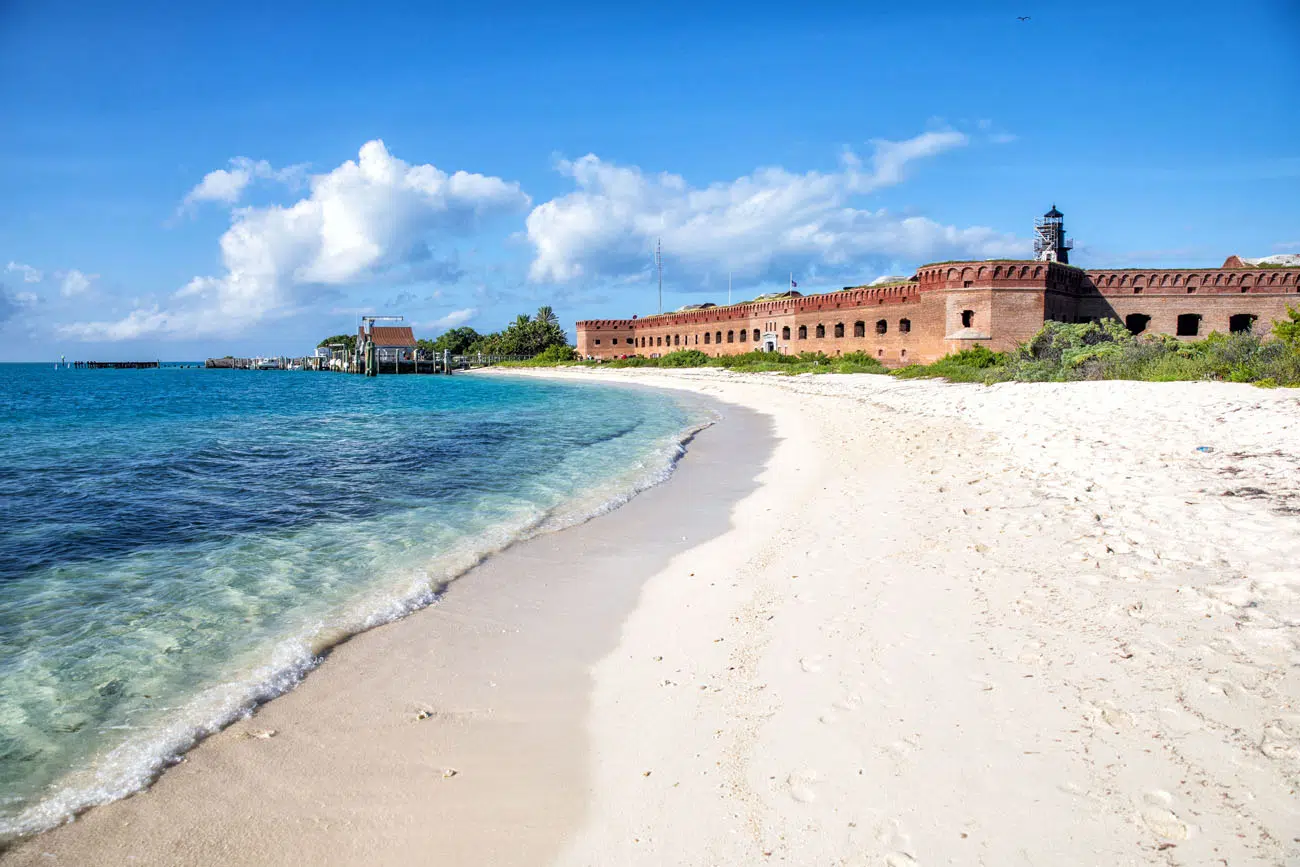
{"points": [[183, 180]]}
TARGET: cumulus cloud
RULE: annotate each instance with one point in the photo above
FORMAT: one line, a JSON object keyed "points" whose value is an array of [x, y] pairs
{"points": [[365, 219], [11, 303], [755, 226], [454, 319], [30, 274], [227, 185], [75, 282]]}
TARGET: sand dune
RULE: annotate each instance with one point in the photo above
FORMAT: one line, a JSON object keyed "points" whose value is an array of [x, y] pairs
{"points": [[1026, 624]]}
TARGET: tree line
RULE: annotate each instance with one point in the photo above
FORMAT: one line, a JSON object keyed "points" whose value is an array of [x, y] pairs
{"points": [[526, 336]]}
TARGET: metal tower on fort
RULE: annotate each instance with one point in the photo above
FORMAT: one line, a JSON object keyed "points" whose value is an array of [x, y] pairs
{"points": [[659, 266], [1050, 243]]}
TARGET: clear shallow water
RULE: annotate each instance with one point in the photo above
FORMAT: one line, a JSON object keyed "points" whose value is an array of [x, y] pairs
{"points": [[176, 545]]}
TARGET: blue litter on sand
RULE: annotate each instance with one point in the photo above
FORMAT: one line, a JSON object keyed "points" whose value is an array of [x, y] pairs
{"points": [[1204, 449]]}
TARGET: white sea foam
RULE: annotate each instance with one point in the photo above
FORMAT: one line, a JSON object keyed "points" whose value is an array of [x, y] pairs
{"points": [[145, 752]]}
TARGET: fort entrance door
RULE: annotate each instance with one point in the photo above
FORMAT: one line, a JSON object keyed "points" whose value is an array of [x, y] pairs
{"points": [[769, 341]]}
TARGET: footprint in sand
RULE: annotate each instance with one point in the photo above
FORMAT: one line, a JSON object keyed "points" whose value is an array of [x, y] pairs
{"points": [[811, 664], [800, 783], [1160, 819], [1281, 737], [900, 859]]}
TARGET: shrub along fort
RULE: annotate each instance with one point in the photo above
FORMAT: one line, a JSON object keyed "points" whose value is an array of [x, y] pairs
{"points": [[951, 306]]}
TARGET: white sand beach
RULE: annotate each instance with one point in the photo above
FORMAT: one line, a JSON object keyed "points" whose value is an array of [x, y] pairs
{"points": [[1027, 624]]}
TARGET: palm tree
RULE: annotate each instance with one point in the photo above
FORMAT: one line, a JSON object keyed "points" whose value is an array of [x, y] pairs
{"points": [[547, 316], [522, 320]]}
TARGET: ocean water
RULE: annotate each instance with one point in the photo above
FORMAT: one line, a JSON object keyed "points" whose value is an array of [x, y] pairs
{"points": [[177, 545]]}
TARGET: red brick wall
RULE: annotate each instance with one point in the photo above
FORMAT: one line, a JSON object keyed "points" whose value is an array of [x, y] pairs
{"points": [[1009, 299]]}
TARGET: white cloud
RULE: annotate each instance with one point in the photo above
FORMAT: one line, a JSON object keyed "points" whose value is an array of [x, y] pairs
{"points": [[26, 299], [30, 274], [360, 221], [228, 185], [755, 226], [454, 318], [75, 282]]}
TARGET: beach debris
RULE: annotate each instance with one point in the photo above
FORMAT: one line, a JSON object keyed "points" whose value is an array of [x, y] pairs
{"points": [[1205, 449], [261, 734], [423, 714], [645, 774], [448, 773]]}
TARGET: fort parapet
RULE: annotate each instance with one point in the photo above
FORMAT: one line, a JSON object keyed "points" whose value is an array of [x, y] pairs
{"points": [[948, 306]]}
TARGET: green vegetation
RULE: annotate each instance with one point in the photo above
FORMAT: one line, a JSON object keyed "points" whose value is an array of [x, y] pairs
{"points": [[456, 341], [749, 362], [1063, 352], [1060, 352], [348, 340], [528, 336]]}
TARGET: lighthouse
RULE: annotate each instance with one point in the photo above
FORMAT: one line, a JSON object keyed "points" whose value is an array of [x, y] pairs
{"points": [[1050, 243]]}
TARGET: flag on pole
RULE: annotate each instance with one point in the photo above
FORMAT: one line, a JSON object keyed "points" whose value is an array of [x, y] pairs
{"points": [[792, 283]]}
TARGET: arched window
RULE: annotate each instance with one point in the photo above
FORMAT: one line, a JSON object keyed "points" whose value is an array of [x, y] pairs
{"points": [[882, 326], [677, 340], [904, 326], [744, 335], [785, 333], [717, 337], [859, 329], [731, 337], [967, 318], [706, 337], [757, 336], [803, 332], [821, 330], [839, 329]]}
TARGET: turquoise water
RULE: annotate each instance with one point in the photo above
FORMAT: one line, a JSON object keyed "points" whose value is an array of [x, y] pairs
{"points": [[177, 545]]}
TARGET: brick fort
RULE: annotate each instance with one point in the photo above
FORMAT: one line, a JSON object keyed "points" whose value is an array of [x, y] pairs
{"points": [[949, 306]]}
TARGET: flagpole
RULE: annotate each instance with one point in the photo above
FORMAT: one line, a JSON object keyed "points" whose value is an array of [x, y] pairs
{"points": [[728, 288]]}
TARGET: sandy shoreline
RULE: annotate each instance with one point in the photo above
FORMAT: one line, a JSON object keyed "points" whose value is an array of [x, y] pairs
{"points": [[1025, 624], [455, 735]]}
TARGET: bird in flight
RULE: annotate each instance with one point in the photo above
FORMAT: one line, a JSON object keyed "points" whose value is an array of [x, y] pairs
{"points": [[1022, 17]]}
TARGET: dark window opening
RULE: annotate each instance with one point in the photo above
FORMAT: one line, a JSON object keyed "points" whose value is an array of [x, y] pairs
{"points": [[859, 329], [821, 331], [904, 325], [598, 343], [706, 337], [882, 326], [1189, 324], [966, 284], [839, 329], [1136, 323], [1242, 323], [731, 337], [757, 336], [967, 318], [1137, 290], [744, 335], [614, 340], [677, 340], [717, 337], [803, 332], [785, 333]]}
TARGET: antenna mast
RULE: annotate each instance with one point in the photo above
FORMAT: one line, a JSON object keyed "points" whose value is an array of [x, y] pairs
{"points": [[659, 266]]}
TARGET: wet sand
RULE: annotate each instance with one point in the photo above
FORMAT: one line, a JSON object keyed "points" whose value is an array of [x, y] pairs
{"points": [[454, 736]]}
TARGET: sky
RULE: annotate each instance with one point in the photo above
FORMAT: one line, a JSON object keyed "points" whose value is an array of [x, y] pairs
{"points": [[187, 180]]}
